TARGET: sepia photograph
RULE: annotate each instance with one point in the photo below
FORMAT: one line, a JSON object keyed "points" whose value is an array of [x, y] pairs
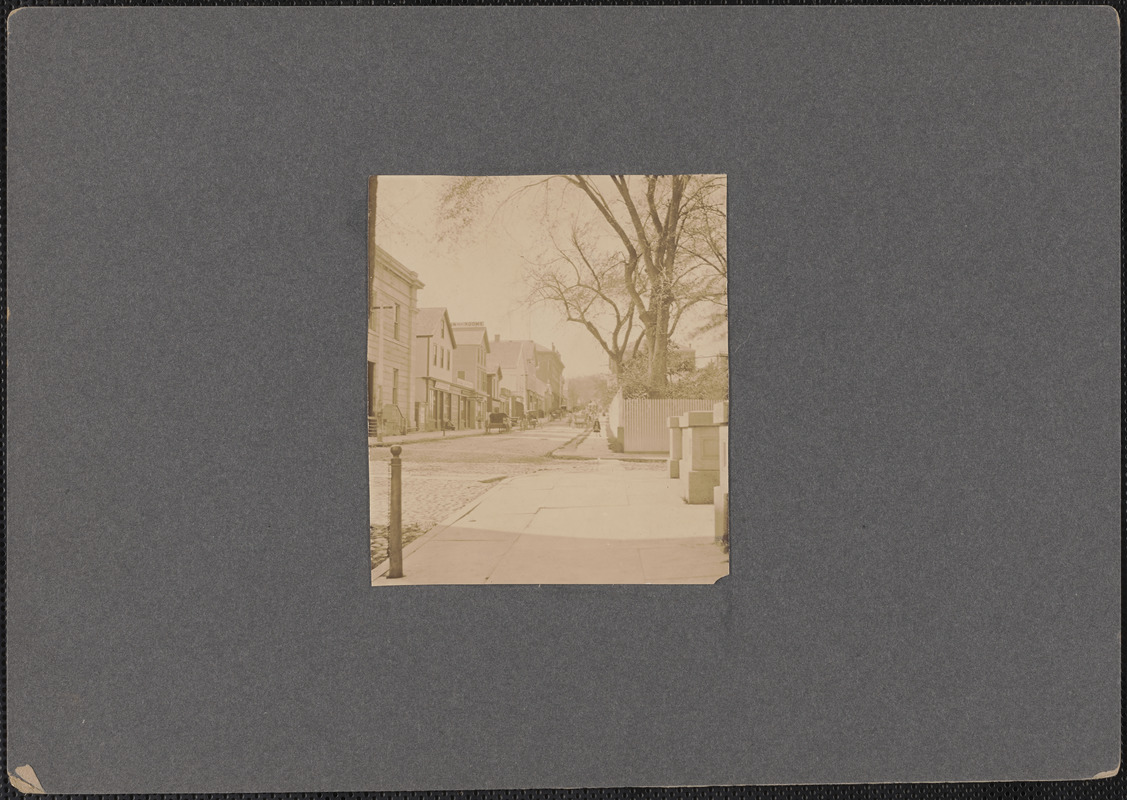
{"points": [[547, 379]]}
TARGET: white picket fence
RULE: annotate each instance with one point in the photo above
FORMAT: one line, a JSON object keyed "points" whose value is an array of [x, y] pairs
{"points": [[645, 423]]}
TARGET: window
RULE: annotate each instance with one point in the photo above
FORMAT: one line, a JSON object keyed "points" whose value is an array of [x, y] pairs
{"points": [[395, 385], [462, 374], [395, 335], [434, 355]]}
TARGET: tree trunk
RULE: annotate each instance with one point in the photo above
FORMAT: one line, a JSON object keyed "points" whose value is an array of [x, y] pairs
{"points": [[659, 351]]}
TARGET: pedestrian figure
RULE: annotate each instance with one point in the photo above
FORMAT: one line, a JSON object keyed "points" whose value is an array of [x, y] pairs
{"points": [[597, 428]]}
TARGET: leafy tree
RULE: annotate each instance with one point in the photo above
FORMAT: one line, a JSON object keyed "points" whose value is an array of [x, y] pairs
{"points": [[586, 388], [710, 382]]}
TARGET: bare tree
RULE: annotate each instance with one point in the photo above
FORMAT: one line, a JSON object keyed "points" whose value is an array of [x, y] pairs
{"points": [[704, 242], [663, 253], [589, 289]]}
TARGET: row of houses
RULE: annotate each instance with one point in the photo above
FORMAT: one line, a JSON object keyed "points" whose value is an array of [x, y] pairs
{"points": [[427, 372]]}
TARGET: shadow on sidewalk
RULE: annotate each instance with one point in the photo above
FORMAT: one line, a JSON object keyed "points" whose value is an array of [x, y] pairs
{"points": [[463, 555]]}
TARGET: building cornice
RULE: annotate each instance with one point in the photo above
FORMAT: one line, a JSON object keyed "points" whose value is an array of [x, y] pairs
{"points": [[394, 266]]}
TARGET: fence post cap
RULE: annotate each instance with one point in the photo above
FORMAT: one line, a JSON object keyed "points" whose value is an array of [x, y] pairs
{"points": [[695, 419], [396, 450], [674, 422]]}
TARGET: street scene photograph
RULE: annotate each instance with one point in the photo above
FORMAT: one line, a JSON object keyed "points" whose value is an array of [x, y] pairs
{"points": [[547, 379]]}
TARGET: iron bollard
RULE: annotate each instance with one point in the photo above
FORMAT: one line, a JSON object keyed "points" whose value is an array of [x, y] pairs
{"points": [[395, 518]]}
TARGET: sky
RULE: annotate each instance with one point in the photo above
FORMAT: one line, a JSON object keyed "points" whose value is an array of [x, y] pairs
{"points": [[477, 271]]}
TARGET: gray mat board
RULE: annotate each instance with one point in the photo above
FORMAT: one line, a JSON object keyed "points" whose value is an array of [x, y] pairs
{"points": [[924, 218]]}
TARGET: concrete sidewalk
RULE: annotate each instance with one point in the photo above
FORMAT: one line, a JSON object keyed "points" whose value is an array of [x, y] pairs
{"points": [[433, 436], [607, 525], [596, 446], [423, 436]]}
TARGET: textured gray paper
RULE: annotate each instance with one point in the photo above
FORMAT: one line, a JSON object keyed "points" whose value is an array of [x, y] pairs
{"points": [[924, 223]]}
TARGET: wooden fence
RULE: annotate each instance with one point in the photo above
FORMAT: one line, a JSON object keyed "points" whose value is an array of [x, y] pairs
{"points": [[643, 425]]}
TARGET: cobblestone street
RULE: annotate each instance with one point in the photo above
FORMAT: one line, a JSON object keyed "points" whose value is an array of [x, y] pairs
{"points": [[441, 477]]}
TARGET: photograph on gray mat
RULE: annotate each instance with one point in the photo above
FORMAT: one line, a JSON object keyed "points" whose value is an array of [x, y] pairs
{"points": [[547, 379], [921, 580]]}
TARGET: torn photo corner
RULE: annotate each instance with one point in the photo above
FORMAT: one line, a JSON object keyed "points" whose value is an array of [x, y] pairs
{"points": [[23, 779]]}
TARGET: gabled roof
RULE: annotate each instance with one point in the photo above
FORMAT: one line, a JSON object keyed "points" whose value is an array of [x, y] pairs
{"points": [[511, 352], [472, 332], [429, 323], [549, 352]]}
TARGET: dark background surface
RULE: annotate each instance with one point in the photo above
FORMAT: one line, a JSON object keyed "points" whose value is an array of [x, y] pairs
{"points": [[924, 218]]}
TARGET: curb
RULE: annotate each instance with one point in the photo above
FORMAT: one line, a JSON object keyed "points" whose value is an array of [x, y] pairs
{"points": [[380, 570], [439, 438], [610, 457], [425, 439], [576, 439]]}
